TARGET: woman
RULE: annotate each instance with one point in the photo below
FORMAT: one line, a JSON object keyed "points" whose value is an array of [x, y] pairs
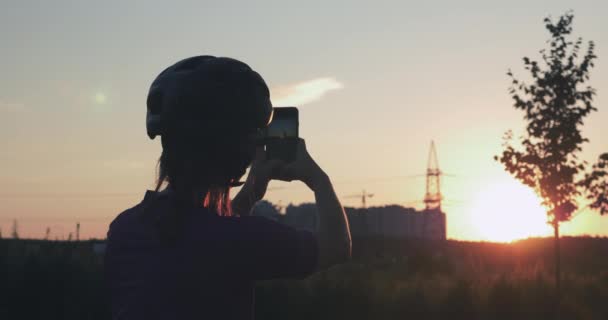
{"points": [[188, 251]]}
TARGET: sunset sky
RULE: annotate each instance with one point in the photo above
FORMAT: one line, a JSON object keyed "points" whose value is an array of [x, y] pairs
{"points": [[375, 83]]}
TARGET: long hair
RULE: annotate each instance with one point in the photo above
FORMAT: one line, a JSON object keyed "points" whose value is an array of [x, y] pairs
{"points": [[199, 173]]}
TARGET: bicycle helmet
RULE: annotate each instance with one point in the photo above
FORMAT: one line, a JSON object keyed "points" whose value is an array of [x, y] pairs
{"points": [[207, 95]]}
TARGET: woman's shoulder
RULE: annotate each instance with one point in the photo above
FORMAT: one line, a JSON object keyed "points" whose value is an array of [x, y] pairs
{"points": [[148, 207]]}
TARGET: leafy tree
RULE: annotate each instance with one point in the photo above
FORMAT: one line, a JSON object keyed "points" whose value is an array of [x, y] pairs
{"points": [[555, 104], [596, 185]]}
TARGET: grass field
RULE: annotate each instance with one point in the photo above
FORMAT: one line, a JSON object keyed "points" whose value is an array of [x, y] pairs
{"points": [[387, 279]]}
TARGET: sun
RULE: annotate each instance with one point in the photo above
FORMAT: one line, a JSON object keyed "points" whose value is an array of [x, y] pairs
{"points": [[100, 98], [507, 210]]}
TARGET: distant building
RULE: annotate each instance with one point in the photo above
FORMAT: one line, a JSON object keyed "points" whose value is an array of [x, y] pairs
{"points": [[397, 221], [391, 221], [304, 216]]}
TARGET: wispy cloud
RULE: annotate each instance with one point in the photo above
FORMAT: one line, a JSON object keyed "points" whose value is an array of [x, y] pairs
{"points": [[303, 92]]}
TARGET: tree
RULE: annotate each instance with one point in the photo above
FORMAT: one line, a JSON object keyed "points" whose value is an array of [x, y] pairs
{"points": [[555, 104], [596, 185]]}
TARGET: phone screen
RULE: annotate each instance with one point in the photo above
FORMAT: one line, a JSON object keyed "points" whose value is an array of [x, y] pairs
{"points": [[284, 123], [283, 128], [282, 134]]}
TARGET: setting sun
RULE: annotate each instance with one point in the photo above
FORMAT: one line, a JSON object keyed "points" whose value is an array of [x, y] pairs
{"points": [[506, 210]]}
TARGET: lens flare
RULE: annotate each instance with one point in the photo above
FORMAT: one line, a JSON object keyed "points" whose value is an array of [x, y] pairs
{"points": [[507, 210]]}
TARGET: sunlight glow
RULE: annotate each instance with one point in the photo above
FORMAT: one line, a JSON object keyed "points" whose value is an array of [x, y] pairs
{"points": [[100, 98], [507, 210]]}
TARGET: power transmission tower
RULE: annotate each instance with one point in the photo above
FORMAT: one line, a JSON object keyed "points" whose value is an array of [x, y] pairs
{"points": [[78, 231], [433, 197], [48, 233]]}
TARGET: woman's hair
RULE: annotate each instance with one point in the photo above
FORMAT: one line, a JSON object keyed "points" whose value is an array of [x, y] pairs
{"points": [[200, 172]]}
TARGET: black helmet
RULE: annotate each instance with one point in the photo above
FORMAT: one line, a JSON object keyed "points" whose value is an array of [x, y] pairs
{"points": [[207, 95]]}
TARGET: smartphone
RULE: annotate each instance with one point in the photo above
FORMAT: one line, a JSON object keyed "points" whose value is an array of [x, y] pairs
{"points": [[282, 134]]}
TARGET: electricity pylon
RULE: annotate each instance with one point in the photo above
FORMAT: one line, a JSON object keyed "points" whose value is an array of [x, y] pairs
{"points": [[433, 196]]}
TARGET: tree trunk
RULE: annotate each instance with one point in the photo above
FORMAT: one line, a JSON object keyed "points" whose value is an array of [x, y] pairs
{"points": [[557, 260]]}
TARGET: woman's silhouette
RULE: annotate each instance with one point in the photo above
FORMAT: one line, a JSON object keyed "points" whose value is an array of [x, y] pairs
{"points": [[189, 252]]}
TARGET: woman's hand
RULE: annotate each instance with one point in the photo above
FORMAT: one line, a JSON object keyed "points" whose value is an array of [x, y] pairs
{"points": [[303, 168], [261, 172], [254, 189]]}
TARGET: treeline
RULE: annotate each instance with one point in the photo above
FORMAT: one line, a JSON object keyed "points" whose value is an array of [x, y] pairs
{"points": [[387, 279], [51, 280], [411, 279]]}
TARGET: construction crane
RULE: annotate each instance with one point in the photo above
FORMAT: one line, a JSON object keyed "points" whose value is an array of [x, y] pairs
{"points": [[364, 196]]}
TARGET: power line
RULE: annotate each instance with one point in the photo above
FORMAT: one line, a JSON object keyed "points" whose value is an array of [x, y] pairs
{"points": [[579, 211], [43, 195]]}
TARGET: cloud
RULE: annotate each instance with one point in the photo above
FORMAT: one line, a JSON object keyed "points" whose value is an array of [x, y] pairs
{"points": [[304, 92]]}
